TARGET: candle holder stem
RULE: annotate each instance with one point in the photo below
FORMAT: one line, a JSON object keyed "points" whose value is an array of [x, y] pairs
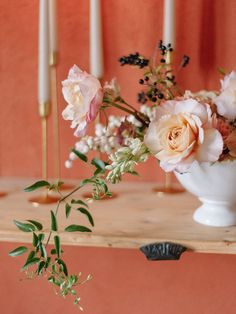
{"points": [[44, 197], [56, 143], [56, 132], [168, 187], [44, 148]]}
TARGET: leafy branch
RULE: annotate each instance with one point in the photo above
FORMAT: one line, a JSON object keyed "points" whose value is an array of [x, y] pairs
{"points": [[42, 261]]}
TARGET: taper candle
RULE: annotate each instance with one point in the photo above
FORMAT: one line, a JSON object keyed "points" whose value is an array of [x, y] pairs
{"points": [[96, 48], [43, 61], [53, 32], [169, 23]]}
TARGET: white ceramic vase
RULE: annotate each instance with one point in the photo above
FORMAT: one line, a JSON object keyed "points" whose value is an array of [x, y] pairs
{"points": [[215, 186]]}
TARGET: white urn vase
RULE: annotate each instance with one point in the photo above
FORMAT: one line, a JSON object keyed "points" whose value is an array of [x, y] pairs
{"points": [[215, 186]]}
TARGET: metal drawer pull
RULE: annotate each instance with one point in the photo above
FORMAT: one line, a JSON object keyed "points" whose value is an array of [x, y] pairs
{"points": [[162, 251]]}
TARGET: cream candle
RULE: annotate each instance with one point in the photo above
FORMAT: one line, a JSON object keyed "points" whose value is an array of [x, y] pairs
{"points": [[53, 31], [96, 49], [43, 60], [169, 23]]}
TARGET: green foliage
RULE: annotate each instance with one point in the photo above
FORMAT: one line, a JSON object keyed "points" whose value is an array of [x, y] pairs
{"points": [[54, 226], [68, 210], [79, 202], [48, 262], [37, 224], [25, 227], [57, 244], [99, 164], [81, 156], [30, 262], [18, 251], [35, 240], [75, 228], [86, 213], [37, 185], [63, 265], [40, 267]]}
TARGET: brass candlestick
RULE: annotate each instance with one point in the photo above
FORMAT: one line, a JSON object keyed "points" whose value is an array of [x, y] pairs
{"points": [[168, 187], [44, 198], [54, 59]]}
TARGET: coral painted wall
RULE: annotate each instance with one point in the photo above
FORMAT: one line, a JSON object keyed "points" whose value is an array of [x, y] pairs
{"points": [[123, 281]]}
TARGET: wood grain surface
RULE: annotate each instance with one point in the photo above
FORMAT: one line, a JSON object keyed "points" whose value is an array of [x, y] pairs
{"points": [[137, 216]]}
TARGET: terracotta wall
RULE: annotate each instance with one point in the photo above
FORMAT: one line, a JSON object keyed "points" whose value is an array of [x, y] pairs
{"points": [[123, 281]]}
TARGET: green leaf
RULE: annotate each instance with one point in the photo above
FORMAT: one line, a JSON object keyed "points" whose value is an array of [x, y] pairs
{"points": [[99, 164], [74, 228], [35, 240], [30, 256], [43, 251], [47, 262], [80, 155], [37, 185], [18, 251], [40, 267], [79, 202], [37, 224], [53, 251], [31, 262], [97, 171], [41, 237], [53, 221], [68, 210], [57, 245], [87, 213], [85, 181], [25, 227], [62, 263]]}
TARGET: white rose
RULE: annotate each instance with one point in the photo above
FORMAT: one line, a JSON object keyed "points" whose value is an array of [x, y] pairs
{"points": [[226, 101]]}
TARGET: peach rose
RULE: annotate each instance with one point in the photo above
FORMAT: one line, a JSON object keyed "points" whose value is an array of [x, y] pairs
{"points": [[226, 101], [181, 133], [83, 93]]}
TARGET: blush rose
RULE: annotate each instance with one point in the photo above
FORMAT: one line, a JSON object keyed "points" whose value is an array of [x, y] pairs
{"points": [[181, 133], [83, 93]]}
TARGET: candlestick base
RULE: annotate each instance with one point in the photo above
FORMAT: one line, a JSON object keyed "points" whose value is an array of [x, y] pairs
{"points": [[2, 194], [168, 190], [43, 199]]}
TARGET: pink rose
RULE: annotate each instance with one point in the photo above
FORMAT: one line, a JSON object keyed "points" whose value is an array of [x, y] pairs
{"points": [[231, 143], [181, 133], [83, 93], [226, 101]]}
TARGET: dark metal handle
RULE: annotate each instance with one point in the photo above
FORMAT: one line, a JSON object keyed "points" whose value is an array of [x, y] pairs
{"points": [[164, 251]]}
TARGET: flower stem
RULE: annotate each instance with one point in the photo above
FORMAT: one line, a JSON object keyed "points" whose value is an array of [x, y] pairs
{"points": [[58, 205], [134, 112]]}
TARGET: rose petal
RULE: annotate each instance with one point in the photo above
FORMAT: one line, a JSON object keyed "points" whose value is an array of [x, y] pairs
{"points": [[212, 146], [81, 129], [193, 107], [94, 106]]}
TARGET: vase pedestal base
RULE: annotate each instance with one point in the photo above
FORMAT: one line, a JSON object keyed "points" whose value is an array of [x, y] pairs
{"points": [[216, 213]]}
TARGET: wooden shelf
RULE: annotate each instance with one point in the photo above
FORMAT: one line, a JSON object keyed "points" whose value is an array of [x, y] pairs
{"points": [[138, 216]]}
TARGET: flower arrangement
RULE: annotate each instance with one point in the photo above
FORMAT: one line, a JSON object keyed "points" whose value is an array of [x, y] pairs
{"points": [[178, 128]]}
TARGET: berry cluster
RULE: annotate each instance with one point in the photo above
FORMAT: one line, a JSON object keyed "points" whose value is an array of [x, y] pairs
{"points": [[164, 49], [134, 59]]}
